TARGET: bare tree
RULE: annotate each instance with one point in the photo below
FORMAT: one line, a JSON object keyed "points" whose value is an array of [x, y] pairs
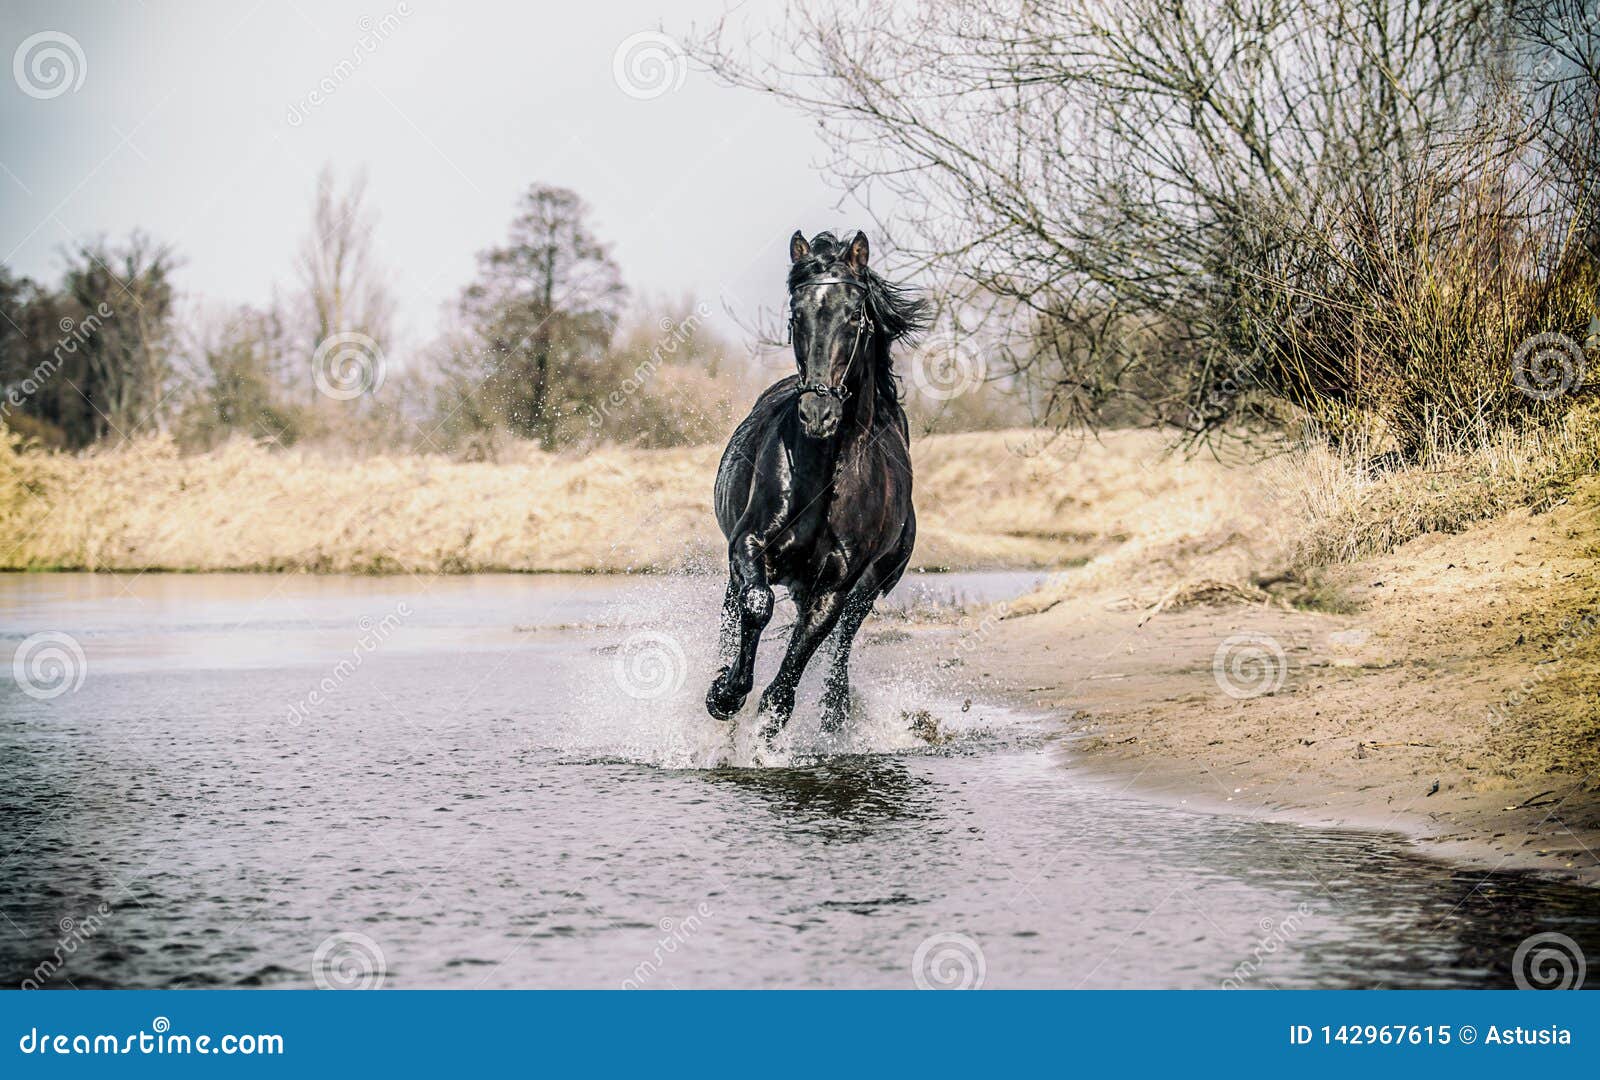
{"points": [[342, 286], [232, 365], [123, 297]]}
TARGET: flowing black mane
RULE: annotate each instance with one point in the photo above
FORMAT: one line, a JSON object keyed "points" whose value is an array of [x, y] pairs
{"points": [[898, 312]]}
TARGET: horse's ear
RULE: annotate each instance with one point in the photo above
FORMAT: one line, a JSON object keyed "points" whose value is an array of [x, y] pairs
{"points": [[857, 255], [798, 248]]}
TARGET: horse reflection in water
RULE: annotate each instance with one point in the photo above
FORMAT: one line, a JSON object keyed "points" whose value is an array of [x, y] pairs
{"points": [[814, 489], [840, 798]]}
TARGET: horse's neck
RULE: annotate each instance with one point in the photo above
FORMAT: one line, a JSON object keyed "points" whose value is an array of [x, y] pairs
{"points": [[864, 399], [861, 424]]}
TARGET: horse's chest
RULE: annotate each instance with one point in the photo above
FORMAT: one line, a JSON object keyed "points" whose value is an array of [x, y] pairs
{"points": [[835, 533]]}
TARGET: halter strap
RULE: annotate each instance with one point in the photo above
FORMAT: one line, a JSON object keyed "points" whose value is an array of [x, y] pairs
{"points": [[829, 281], [864, 328]]}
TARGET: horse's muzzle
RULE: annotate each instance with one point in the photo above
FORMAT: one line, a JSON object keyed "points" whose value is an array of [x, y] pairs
{"points": [[820, 414]]}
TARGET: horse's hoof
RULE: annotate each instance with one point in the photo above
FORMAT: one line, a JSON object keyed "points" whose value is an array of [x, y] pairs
{"points": [[720, 703]]}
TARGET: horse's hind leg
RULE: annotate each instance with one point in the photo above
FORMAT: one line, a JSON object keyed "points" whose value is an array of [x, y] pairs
{"points": [[815, 622], [750, 597], [880, 577], [728, 631], [836, 688]]}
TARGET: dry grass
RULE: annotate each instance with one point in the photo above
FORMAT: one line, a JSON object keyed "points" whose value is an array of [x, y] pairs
{"points": [[1151, 522], [1345, 512], [1174, 532], [1116, 514], [985, 499]]}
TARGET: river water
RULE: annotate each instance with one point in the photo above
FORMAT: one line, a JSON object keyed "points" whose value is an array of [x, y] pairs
{"points": [[509, 781]]}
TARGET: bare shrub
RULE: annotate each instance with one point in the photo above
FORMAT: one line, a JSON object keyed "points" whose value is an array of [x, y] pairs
{"points": [[1357, 210]]}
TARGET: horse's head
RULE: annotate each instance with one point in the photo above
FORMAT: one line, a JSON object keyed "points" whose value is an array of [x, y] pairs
{"points": [[831, 324]]}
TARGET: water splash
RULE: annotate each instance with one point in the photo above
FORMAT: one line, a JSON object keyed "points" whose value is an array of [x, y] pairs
{"points": [[639, 694]]}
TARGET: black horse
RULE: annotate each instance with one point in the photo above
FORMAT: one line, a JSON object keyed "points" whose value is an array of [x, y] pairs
{"points": [[814, 489]]}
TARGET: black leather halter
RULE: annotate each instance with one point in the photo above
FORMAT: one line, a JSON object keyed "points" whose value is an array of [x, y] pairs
{"points": [[863, 320]]}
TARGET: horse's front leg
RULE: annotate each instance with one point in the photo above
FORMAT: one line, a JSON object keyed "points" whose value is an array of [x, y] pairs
{"points": [[815, 623], [747, 610]]}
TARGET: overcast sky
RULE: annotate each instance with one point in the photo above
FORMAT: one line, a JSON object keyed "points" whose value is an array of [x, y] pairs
{"points": [[196, 122]]}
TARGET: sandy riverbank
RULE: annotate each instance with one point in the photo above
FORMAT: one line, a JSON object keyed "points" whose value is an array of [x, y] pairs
{"points": [[1457, 700]]}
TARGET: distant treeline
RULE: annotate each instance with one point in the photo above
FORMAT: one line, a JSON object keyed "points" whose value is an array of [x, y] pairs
{"points": [[542, 346], [538, 349]]}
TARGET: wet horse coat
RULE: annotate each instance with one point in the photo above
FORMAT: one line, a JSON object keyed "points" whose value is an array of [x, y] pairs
{"points": [[814, 489]]}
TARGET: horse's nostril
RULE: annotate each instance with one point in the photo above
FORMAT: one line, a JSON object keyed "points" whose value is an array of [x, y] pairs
{"points": [[819, 415]]}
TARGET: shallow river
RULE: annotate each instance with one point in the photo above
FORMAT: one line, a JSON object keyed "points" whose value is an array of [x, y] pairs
{"points": [[510, 781]]}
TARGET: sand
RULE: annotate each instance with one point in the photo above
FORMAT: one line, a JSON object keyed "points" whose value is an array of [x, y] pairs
{"points": [[1457, 703]]}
